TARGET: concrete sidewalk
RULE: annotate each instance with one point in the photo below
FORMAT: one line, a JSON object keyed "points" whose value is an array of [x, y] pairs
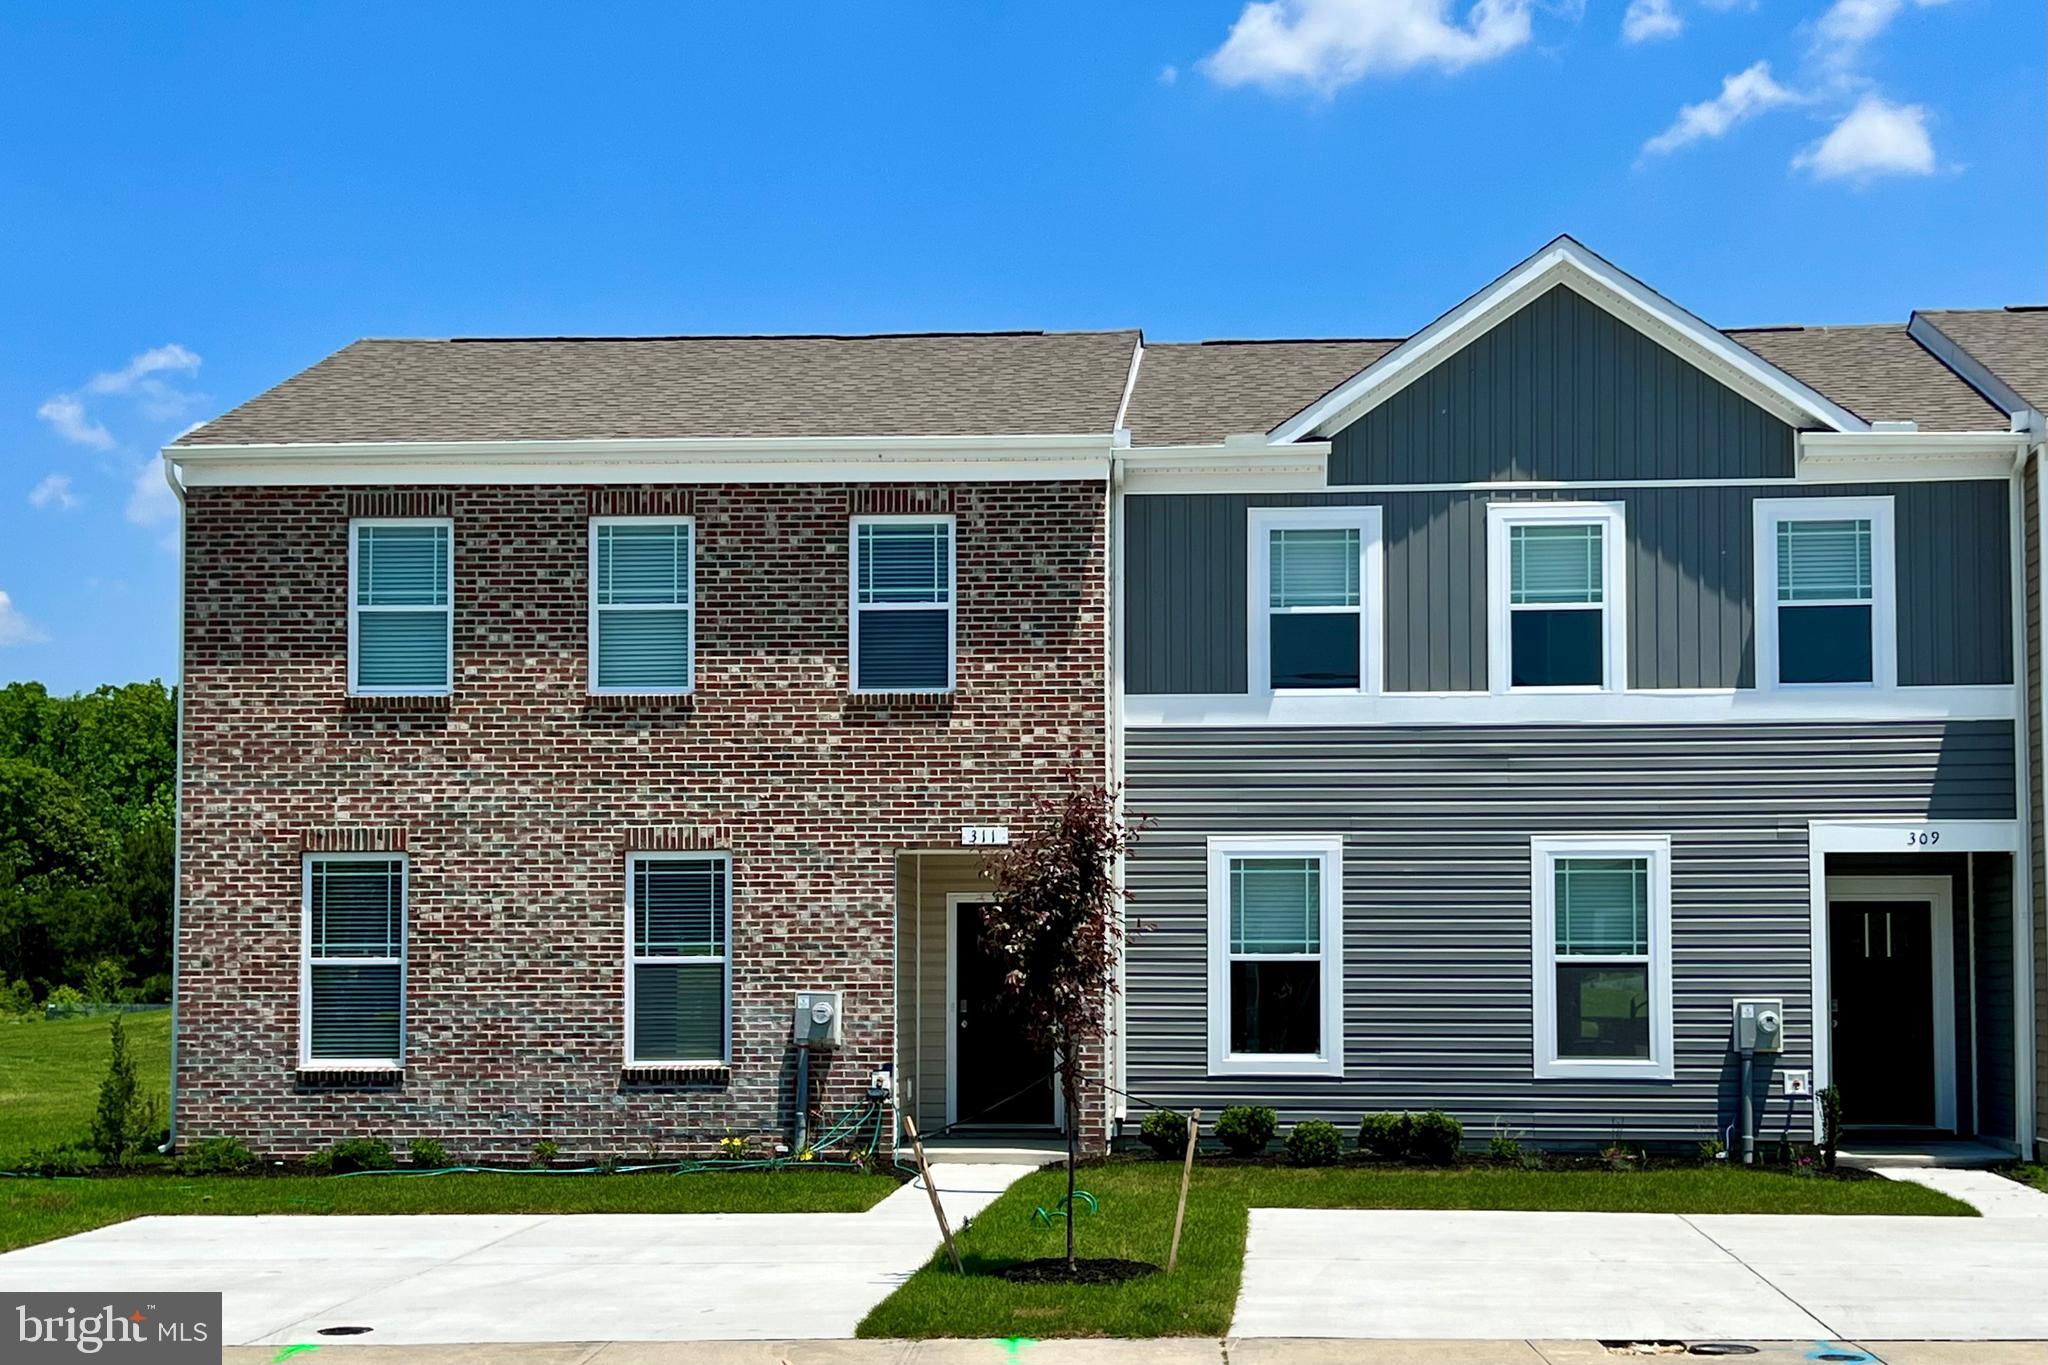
{"points": [[1167, 1351], [489, 1278], [1410, 1273]]}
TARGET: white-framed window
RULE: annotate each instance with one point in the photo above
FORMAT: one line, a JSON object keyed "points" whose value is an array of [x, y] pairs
{"points": [[352, 961], [642, 604], [1316, 601], [401, 613], [901, 632], [1826, 593], [1602, 987], [1276, 956], [678, 958], [1556, 597]]}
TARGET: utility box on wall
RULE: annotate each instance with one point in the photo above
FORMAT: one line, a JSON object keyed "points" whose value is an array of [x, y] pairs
{"points": [[1760, 1024], [815, 1021]]}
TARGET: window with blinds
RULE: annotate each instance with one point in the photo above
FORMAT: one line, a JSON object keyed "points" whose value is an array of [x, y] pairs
{"points": [[677, 979], [401, 613], [1601, 914], [1825, 600], [642, 612], [353, 1010], [902, 626], [1556, 604], [1276, 972], [1313, 616]]}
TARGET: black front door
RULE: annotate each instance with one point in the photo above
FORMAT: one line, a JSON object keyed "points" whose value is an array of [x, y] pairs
{"points": [[1881, 974], [998, 1077]]}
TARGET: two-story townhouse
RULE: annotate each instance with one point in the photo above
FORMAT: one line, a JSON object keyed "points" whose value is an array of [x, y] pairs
{"points": [[1507, 700], [1515, 697], [555, 711]]}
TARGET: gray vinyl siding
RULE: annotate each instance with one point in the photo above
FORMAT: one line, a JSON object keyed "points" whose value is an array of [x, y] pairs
{"points": [[1562, 390], [1438, 940], [1691, 565], [1993, 972]]}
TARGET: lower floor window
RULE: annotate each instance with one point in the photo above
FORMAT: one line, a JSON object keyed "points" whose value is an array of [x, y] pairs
{"points": [[353, 989], [1602, 954], [1276, 956], [678, 984]]}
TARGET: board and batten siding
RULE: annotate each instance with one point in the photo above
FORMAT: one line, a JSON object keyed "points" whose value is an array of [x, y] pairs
{"points": [[1690, 590], [1438, 936], [1562, 389]]}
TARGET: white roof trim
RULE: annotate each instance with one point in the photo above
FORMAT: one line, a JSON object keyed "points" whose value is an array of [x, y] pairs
{"points": [[1302, 467], [1973, 372], [1567, 262]]}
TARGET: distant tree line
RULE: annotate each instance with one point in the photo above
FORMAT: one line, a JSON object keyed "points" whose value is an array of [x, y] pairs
{"points": [[87, 843]]}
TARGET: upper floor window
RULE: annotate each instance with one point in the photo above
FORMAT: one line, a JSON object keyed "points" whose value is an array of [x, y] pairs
{"points": [[352, 982], [678, 972], [1315, 599], [1602, 987], [1555, 595], [902, 626], [642, 605], [401, 615], [1825, 590], [1276, 956]]}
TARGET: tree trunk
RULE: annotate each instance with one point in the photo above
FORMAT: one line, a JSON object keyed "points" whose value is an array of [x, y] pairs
{"points": [[1073, 1151]]}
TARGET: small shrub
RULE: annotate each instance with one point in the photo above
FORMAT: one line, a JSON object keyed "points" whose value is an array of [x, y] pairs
{"points": [[102, 980], [352, 1154], [733, 1147], [1435, 1138], [65, 1158], [1711, 1150], [1619, 1158], [1387, 1136], [63, 998], [125, 1119], [1504, 1147], [215, 1156], [1165, 1132], [18, 998], [1245, 1130], [1315, 1143], [545, 1151], [428, 1153]]}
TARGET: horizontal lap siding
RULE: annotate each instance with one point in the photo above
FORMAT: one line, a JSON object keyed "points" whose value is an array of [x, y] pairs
{"points": [[1437, 825], [1690, 566]]}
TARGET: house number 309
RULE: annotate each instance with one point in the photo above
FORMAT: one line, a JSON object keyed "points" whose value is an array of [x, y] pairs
{"points": [[1922, 838]]}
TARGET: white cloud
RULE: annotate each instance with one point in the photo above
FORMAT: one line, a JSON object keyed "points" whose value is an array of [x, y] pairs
{"points": [[1875, 138], [1169, 74], [1649, 20], [1327, 44], [67, 417], [141, 381], [1840, 35], [16, 629], [150, 500], [53, 491], [1743, 96]]}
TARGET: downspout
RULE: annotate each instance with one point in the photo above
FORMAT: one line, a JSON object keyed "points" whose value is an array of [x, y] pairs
{"points": [[177, 818], [1115, 1107], [2025, 1007]]}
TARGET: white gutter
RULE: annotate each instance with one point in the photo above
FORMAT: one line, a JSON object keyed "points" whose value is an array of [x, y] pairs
{"points": [[177, 813]]}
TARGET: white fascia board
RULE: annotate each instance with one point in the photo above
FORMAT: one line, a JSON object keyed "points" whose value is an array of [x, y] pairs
{"points": [[1601, 283], [863, 459], [1302, 467], [1974, 372], [1899, 456]]}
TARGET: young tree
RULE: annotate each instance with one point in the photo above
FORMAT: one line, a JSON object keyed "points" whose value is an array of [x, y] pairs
{"points": [[1056, 929]]}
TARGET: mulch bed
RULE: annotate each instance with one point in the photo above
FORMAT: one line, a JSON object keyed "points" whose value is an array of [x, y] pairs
{"points": [[1095, 1270]]}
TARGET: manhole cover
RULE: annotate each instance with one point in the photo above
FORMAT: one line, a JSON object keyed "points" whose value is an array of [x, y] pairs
{"points": [[343, 1331], [1721, 1348]]}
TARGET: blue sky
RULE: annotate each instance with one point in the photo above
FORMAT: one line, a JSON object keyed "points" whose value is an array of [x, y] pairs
{"points": [[197, 201]]}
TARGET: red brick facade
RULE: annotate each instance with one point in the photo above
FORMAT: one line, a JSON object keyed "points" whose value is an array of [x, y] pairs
{"points": [[517, 800]]}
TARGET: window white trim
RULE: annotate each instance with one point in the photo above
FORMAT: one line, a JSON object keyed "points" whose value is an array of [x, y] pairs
{"points": [[1884, 614], [356, 525], [854, 606], [307, 1062], [691, 608], [1330, 850], [1543, 853], [1260, 523], [1612, 520], [635, 959]]}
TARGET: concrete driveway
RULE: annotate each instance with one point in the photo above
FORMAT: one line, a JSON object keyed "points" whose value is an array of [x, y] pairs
{"points": [[433, 1279], [1412, 1273]]}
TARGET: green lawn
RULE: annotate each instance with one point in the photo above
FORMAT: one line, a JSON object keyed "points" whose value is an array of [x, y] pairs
{"points": [[2027, 1173], [34, 1210], [50, 1073], [1136, 1221]]}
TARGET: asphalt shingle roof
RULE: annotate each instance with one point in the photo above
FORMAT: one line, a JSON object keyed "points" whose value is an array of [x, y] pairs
{"points": [[2012, 343], [1877, 372], [969, 384], [1194, 393]]}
